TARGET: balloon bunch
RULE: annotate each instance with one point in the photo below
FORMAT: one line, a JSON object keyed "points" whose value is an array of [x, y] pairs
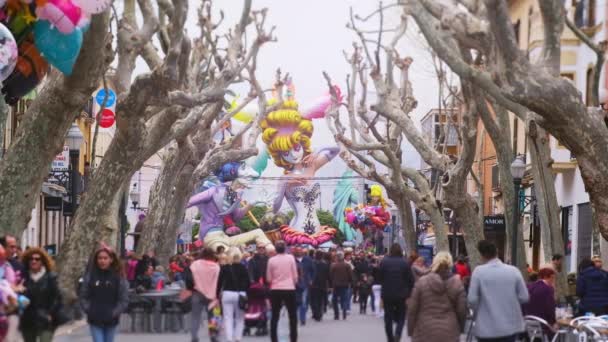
{"points": [[364, 217], [36, 33]]}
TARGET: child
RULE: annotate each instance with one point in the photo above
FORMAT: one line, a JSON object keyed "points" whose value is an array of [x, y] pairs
{"points": [[158, 275], [365, 288]]}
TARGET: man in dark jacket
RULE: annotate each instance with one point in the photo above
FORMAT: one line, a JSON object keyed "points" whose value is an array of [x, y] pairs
{"points": [[592, 289], [306, 270], [397, 283], [257, 265], [361, 268], [319, 286], [341, 278]]}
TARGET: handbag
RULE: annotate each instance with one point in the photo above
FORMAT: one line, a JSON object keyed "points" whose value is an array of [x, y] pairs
{"points": [[242, 301], [60, 317]]}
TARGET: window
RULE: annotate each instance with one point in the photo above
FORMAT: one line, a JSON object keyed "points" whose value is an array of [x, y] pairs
{"points": [[452, 135], [567, 229], [584, 15], [516, 28], [495, 178], [515, 135], [589, 80], [584, 231]]}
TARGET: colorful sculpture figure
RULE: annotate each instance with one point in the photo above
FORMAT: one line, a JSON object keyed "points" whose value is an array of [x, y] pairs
{"points": [[287, 134], [370, 216], [220, 204], [345, 197]]}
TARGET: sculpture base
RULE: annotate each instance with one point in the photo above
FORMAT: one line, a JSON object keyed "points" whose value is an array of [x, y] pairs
{"points": [[292, 236]]}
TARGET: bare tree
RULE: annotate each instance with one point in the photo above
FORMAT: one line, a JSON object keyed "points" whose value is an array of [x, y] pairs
{"points": [[40, 135], [395, 102], [531, 90], [182, 89]]}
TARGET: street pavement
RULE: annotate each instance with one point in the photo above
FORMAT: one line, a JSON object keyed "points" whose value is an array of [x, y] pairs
{"points": [[356, 328]]}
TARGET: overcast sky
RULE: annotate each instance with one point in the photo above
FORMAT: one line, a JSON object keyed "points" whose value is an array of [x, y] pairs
{"points": [[311, 37]]}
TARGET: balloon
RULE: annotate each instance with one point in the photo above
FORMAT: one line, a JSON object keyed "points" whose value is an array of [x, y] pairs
{"points": [[92, 6], [59, 49], [62, 14], [8, 52], [20, 20], [29, 71]]}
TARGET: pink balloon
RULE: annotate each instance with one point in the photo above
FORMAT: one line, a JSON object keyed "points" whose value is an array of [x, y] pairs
{"points": [[62, 14]]}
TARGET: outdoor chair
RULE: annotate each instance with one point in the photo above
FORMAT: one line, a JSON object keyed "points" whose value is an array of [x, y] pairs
{"points": [[173, 315], [140, 311], [535, 328]]}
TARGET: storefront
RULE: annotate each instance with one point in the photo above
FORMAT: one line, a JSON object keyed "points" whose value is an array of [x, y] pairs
{"points": [[494, 230]]}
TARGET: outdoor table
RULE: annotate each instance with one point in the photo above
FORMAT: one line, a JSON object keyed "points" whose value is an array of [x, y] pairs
{"points": [[158, 296], [565, 323]]}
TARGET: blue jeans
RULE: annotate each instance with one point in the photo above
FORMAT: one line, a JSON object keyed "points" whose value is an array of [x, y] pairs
{"points": [[303, 305], [340, 295], [103, 334]]}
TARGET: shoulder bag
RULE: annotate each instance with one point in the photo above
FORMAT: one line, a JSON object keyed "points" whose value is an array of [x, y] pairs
{"points": [[242, 302]]}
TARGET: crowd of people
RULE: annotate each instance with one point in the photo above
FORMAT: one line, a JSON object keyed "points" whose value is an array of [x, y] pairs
{"points": [[240, 290]]}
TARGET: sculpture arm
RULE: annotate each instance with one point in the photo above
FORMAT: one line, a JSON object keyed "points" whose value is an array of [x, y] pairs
{"points": [[202, 197], [324, 155], [278, 201]]}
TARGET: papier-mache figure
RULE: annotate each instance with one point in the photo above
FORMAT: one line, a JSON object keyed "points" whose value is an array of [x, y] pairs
{"points": [[287, 134], [220, 206]]}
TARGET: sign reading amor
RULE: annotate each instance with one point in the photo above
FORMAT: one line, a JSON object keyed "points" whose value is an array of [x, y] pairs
{"points": [[62, 160], [495, 222]]}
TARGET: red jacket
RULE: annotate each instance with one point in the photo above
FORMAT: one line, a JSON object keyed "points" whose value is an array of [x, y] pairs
{"points": [[462, 269]]}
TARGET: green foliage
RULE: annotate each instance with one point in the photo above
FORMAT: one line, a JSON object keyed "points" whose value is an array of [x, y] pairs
{"points": [[246, 224], [326, 218], [290, 214], [195, 229]]}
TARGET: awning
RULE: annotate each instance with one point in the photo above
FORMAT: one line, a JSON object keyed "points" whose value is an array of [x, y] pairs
{"points": [[561, 167], [54, 190]]}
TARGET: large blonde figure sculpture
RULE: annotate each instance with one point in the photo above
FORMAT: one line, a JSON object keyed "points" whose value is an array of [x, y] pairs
{"points": [[287, 134]]}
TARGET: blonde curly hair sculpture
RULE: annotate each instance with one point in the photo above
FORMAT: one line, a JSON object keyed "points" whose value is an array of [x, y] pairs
{"points": [[376, 191], [284, 128]]}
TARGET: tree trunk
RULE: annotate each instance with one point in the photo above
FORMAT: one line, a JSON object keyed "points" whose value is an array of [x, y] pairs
{"points": [[40, 135], [408, 226], [163, 199], [4, 109], [546, 199], [95, 220], [183, 188], [544, 188]]}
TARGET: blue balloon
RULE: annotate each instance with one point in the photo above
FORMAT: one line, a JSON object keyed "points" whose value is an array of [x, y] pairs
{"points": [[60, 50]]}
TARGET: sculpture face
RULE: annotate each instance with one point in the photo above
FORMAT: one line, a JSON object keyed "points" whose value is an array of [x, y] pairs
{"points": [[295, 155]]}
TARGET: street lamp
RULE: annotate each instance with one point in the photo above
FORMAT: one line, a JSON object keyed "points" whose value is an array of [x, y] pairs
{"points": [[74, 140], [518, 168], [134, 195]]}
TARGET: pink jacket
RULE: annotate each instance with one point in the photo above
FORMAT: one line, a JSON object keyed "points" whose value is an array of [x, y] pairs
{"points": [[205, 274], [282, 272]]}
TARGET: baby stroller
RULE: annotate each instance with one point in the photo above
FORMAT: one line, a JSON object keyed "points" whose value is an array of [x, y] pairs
{"points": [[255, 316]]}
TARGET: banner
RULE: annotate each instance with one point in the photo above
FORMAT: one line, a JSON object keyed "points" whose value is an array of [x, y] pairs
{"points": [[62, 160]]}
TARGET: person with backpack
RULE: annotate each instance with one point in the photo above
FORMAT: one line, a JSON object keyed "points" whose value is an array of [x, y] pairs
{"points": [[437, 308], [201, 285], [44, 313], [104, 294]]}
